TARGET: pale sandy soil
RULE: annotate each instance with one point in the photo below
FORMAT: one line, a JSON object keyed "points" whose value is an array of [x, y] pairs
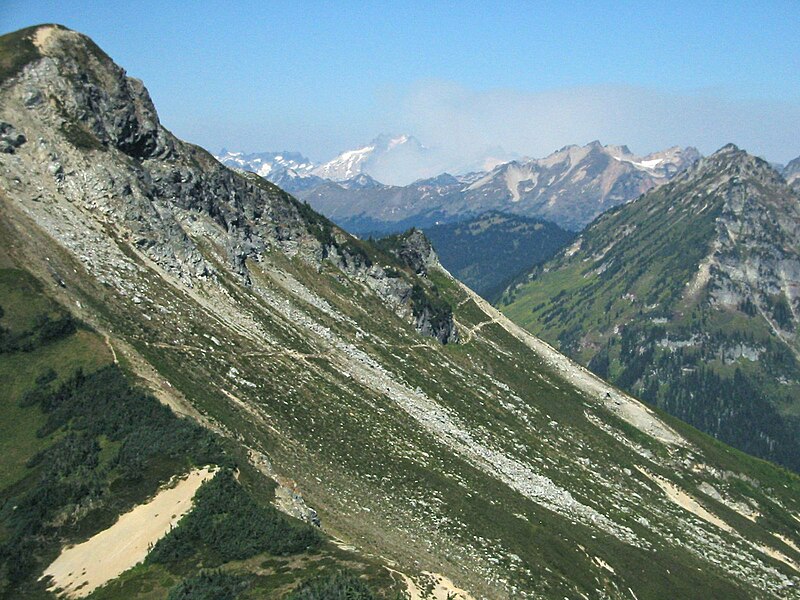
{"points": [[684, 500], [787, 541], [443, 588], [778, 556], [42, 35], [81, 569]]}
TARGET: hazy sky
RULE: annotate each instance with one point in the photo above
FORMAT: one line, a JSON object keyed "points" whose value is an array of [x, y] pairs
{"points": [[529, 77]]}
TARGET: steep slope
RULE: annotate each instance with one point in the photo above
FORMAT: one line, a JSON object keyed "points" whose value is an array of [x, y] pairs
{"points": [[570, 187], [494, 461], [81, 444], [488, 251], [791, 173], [689, 298]]}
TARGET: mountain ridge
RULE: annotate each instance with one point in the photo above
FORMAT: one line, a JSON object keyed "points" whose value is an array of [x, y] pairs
{"points": [[495, 461], [569, 187], [699, 280]]}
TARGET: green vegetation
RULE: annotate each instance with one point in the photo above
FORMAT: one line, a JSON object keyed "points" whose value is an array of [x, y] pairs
{"points": [[226, 524], [489, 251], [17, 50], [209, 585], [111, 444], [336, 586], [81, 445], [624, 305], [477, 460]]}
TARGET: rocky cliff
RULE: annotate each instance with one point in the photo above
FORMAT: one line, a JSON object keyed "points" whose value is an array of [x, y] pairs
{"points": [[490, 468], [154, 188], [683, 292]]}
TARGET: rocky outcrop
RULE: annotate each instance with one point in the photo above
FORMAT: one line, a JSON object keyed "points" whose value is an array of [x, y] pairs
{"points": [[792, 173], [10, 138], [413, 249], [690, 298], [97, 129]]}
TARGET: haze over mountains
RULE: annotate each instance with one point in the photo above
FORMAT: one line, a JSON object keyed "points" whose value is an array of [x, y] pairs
{"points": [[570, 187], [393, 160], [350, 383]]}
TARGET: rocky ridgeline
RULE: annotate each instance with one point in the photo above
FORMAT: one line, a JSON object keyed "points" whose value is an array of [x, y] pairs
{"points": [[89, 121], [689, 297], [792, 173], [754, 254], [497, 462]]}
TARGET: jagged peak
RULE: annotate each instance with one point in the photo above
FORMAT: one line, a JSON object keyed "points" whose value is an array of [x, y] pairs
{"points": [[728, 148], [733, 163], [413, 248]]}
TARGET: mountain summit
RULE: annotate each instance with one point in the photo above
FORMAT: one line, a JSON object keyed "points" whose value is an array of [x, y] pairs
{"points": [[354, 385], [689, 297], [387, 158], [569, 187]]}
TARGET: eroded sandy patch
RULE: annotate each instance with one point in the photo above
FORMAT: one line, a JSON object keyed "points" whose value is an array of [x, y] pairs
{"points": [[81, 569], [787, 541], [778, 556], [434, 587], [42, 36], [684, 500]]}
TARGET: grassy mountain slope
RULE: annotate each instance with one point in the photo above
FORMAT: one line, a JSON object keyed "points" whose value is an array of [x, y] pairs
{"points": [[494, 461], [688, 298], [489, 250], [81, 446]]}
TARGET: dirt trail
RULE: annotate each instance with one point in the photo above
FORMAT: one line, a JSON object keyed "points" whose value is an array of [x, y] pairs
{"points": [[81, 569], [624, 406], [111, 347]]}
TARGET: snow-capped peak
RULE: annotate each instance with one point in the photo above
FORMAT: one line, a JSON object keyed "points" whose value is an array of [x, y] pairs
{"points": [[379, 151], [268, 164]]}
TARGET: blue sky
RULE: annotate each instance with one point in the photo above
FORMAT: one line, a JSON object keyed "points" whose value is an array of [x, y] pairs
{"points": [[529, 77]]}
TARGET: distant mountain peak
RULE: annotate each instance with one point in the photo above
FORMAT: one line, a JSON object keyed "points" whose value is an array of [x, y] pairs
{"points": [[392, 151], [732, 163]]}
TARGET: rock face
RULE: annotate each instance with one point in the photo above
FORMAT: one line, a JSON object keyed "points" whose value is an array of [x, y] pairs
{"points": [[157, 188], [792, 173], [433, 316], [10, 139], [415, 250], [689, 296], [496, 461], [570, 187]]}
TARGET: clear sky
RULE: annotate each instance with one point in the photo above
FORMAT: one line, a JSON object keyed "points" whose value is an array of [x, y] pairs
{"points": [[320, 77]]}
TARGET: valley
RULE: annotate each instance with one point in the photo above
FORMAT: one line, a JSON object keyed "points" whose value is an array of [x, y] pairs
{"points": [[220, 323]]}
